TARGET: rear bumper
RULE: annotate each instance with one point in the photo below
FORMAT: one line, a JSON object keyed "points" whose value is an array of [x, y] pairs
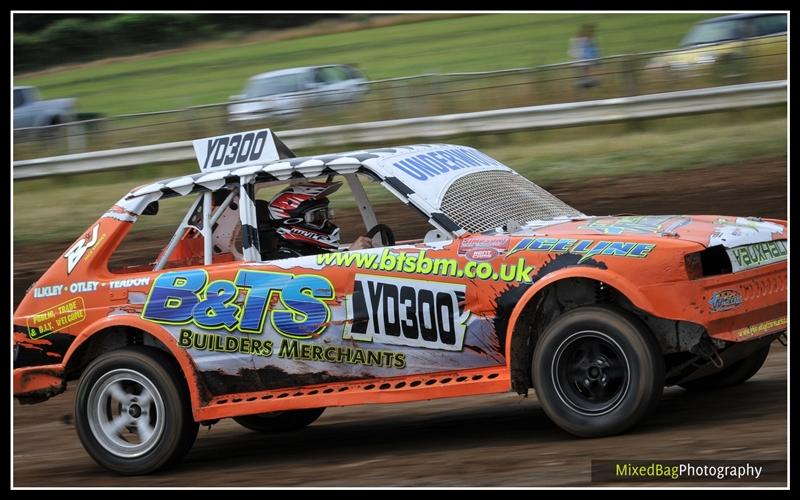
{"points": [[755, 306], [38, 383]]}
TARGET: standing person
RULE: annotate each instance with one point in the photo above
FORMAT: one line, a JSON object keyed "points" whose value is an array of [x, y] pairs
{"points": [[583, 49]]}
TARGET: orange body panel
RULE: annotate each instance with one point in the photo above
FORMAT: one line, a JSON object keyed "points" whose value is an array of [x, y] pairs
{"points": [[411, 322]]}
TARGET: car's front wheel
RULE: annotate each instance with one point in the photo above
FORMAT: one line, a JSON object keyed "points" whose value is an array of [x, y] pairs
{"points": [[132, 412], [597, 371], [280, 421]]}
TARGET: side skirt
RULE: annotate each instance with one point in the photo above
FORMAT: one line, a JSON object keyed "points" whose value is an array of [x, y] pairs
{"points": [[386, 390]]}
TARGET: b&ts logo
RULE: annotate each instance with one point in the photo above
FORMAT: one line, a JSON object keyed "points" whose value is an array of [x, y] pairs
{"points": [[407, 312], [295, 305]]}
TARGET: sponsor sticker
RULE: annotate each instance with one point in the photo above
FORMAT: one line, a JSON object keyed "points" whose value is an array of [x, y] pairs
{"points": [[482, 249], [761, 328], [289, 349], [725, 300], [419, 263], [586, 248], [41, 292], [80, 247], [83, 286], [444, 162], [638, 224], [399, 311], [56, 318], [757, 254], [301, 310], [128, 283]]}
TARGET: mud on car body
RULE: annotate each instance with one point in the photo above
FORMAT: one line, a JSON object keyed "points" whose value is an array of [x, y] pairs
{"points": [[509, 289]]}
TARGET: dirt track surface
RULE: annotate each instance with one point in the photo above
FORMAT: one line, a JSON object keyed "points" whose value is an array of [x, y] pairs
{"points": [[496, 440]]}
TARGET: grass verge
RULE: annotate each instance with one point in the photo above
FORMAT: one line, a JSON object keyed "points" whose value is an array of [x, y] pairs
{"points": [[207, 74]]}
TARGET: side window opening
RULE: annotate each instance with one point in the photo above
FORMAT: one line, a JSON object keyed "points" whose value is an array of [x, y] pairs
{"points": [[153, 236], [342, 208], [407, 223], [149, 235], [352, 73]]}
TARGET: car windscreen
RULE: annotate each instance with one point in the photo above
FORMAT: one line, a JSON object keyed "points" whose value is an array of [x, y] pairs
{"points": [[718, 31], [274, 85], [489, 199]]}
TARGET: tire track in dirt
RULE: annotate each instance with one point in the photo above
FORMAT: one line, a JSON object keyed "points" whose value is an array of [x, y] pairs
{"points": [[494, 440]]}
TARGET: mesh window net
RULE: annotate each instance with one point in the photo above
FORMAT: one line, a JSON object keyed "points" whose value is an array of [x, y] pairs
{"points": [[485, 200]]}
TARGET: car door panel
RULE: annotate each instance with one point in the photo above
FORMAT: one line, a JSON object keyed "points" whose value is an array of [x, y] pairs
{"points": [[338, 320]]}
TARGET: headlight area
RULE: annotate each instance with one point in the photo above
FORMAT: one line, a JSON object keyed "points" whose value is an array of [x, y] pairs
{"points": [[712, 261]]}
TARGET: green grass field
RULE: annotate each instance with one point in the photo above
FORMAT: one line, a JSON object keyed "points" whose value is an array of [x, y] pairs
{"points": [[472, 43], [59, 208]]}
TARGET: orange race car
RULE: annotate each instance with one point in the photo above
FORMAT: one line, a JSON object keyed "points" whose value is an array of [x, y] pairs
{"points": [[254, 311]]}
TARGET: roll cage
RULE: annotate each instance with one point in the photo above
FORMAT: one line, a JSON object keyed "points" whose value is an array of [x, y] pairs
{"points": [[449, 185], [204, 215]]}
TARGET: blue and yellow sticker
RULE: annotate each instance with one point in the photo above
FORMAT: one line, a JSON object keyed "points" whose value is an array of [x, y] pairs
{"points": [[296, 306]]}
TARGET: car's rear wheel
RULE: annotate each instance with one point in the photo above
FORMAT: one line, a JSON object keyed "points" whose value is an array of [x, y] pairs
{"points": [[280, 421], [132, 412], [735, 374], [597, 371]]}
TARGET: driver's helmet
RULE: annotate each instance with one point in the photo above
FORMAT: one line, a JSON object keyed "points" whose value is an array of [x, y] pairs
{"points": [[302, 218]]}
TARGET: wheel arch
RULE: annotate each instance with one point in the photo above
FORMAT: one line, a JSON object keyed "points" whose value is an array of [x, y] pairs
{"points": [[535, 310], [114, 333]]}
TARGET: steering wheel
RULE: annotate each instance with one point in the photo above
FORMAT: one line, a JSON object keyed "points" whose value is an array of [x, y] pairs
{"points": [[387, 236]]}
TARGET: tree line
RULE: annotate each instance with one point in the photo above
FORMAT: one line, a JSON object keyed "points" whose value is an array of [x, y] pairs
{"points": [[42, 40]]}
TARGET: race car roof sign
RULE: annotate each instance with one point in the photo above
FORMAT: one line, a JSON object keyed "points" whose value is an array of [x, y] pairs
{"points": [[430, 172], [235, 150]]}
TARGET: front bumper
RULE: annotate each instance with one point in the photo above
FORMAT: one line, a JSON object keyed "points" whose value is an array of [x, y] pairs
{"points": [[761, 309], [38, 383]]}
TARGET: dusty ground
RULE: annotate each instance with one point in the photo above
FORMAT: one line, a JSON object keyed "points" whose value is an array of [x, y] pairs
{"points": [[497, 440]]}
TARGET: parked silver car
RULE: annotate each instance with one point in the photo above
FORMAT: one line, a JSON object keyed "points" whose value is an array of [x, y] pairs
{"points": [[286, 93], [31, 111]]}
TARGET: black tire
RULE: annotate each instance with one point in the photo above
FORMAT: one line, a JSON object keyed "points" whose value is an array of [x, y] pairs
{"points": [[143, 373], [280, 421], [615, 353], [735, 374]]}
